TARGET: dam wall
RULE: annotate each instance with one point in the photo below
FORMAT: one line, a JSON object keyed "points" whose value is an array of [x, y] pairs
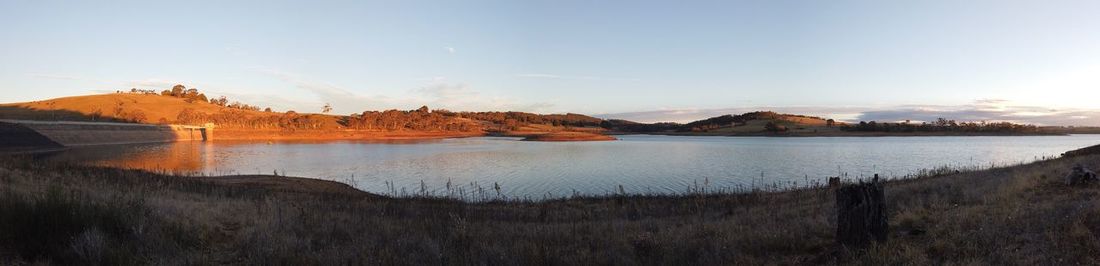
{"points": [[16, 137], [71, 134]]}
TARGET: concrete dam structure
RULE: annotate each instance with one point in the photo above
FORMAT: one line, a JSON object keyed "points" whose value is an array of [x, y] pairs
{"points": [[70, 134]]}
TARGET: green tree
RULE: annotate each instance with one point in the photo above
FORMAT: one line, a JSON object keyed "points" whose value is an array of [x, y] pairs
{"points": [[178, 90]]}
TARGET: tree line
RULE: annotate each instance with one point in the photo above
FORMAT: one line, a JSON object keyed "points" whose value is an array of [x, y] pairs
{"points": [[241, 119], [422, 119], [515, 120], [631, 126], [942, 125]]}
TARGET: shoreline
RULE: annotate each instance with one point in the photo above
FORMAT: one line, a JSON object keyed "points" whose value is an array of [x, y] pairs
{"points": [[567, 136], [830, 135]]}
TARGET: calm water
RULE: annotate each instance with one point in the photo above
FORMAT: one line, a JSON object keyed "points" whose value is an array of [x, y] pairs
{"points": [[640, 164]]}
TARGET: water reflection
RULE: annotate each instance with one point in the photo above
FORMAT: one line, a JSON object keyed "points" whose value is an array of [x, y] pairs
{"points": [[639, 164], [185, 156]]}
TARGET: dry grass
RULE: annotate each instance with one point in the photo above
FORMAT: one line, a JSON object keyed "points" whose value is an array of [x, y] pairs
{"points": [[1014, 215], [155, 107]]}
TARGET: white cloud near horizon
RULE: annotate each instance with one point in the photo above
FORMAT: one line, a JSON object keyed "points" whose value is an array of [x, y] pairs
{"points": [[988, 111], [991, 110]]}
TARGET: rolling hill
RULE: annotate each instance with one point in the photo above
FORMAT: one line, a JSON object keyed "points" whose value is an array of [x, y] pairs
{"points": [[117, 107], [247, 122], [185, 108], [753, 123]]}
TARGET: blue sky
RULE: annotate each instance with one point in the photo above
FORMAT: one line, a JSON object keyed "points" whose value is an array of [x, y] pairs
{"points": [[1028, 61]]}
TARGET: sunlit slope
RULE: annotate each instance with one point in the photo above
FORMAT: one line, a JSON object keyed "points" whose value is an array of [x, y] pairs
{"points": [[120, 106], [123, 107]]}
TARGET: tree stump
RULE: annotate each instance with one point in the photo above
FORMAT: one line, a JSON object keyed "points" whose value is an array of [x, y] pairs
{"points": [[861, 214], [1080, 175]]}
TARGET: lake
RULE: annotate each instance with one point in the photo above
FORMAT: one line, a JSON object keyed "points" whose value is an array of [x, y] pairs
{"points": [[475, 167]]}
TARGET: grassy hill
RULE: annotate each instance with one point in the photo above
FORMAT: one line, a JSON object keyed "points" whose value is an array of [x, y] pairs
{"points": [[122, 107], [753, 123], [157, 108], [245, 121], [757, 122]]}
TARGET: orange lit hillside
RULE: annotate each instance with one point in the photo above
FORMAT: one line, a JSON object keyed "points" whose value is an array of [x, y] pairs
{"points": [[115, 106]]}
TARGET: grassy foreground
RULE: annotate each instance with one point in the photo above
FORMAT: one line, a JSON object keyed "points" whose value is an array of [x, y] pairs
{"points": [[67, 214]]}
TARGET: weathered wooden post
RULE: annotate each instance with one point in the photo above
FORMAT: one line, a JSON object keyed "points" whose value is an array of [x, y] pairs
{"points": [[861, 214]]}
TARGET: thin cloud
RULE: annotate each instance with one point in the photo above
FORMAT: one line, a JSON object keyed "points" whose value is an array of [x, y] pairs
{"points": [[546, 76], [67, 77], [155, 83], [342, 100], [152, 83], [53, 76], [561, 77], [437, 93], [449, 49], [462, 97]]}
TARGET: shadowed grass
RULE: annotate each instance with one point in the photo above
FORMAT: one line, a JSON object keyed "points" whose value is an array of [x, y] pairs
{"points": [[1010, 215]]}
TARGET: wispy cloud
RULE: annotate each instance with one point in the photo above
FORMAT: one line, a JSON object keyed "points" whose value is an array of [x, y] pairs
{"points": [[342, 100], [68, 77], [449, 49], [436, 93], [461, 97], [54, 76], [562, 77], [156, 83]]}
